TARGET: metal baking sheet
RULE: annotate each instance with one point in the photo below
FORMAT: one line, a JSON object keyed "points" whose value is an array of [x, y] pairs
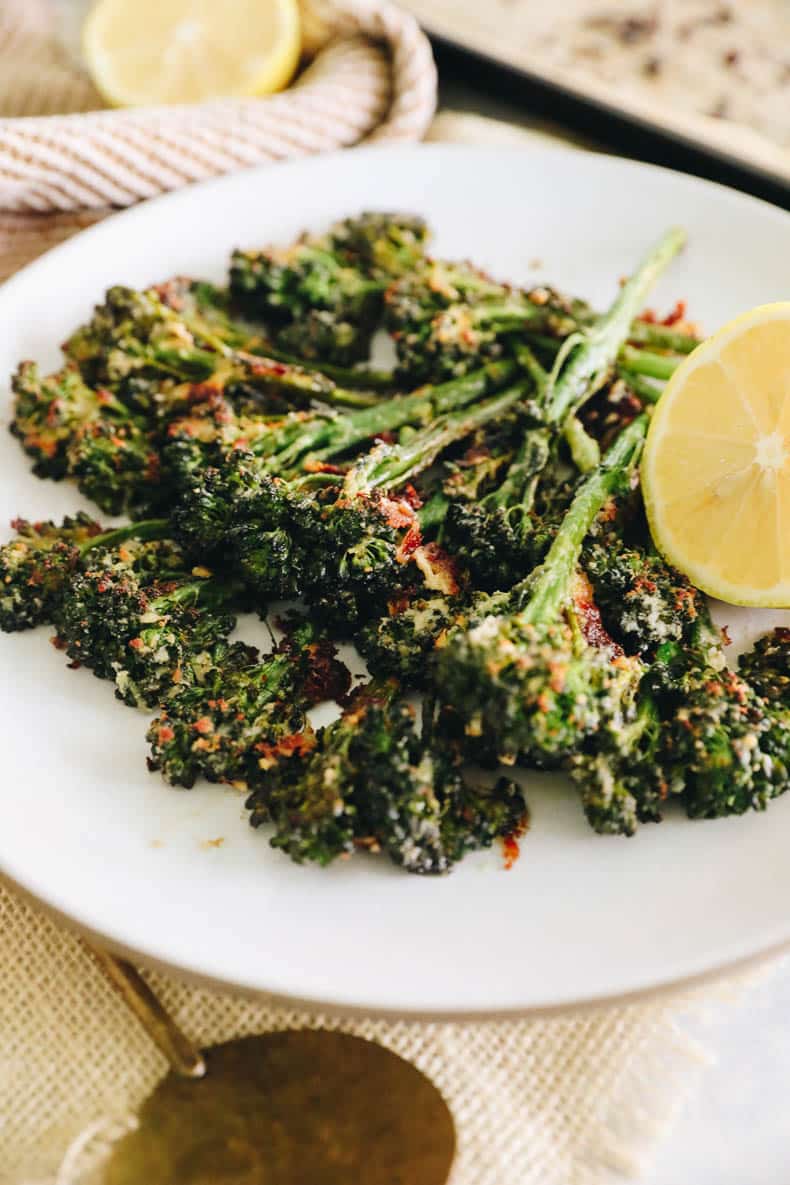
{"points": [[496, 32]]}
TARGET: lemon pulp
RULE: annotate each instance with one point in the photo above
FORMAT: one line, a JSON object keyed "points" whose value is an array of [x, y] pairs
{"points": [[187, 51], [716, 466]]}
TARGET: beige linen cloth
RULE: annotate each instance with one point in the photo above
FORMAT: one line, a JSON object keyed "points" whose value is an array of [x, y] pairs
{"points": [[570, 1101]]}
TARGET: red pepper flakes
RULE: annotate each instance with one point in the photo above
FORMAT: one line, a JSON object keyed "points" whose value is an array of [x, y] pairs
{"points": [[686, 602], [510, 842], [398, 604], [322, 467], [678, 313], [47, 447], [410, 542], [397, 512], [297, 743], [511, 849], [264, 368], [590, 622]]}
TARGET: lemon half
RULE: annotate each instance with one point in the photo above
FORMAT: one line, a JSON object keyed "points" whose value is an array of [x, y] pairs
{"points": [[186, 51], [716, 466]]}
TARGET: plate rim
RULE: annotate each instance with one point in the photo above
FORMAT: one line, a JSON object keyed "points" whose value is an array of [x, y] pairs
{"points": [[667, 987], [669, 991]]}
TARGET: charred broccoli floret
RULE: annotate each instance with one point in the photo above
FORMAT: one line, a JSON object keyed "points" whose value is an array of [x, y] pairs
{"points": [[145, 345], [151, 633], [382, 245], [248, 712], [294, 523], [643, 601], [499, 540], [371, 782], [74, 431], [402, 644], [373, 537], [134, 341], [36, 566], [208, 309], [704, 732], [530, 680], [621, 772], [322, 296], [448, 319], [767, 667], [317, 305], [733, 748]]}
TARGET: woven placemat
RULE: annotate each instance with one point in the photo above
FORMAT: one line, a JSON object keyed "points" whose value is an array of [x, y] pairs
{"points": [[569, 1101]]}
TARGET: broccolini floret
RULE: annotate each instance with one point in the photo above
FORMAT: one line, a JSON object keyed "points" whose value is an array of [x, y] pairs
{"points": [[322, 296], [530, 680], [402, 643], [74, 431], [150, 632], [248, 711], [36, 566], [767, 667], [644, 602], [370, 781], [732, 746], [621, 772]]}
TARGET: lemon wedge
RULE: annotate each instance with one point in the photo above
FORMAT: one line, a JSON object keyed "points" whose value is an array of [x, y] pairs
{"points": [[185, 51], [716, 465]]}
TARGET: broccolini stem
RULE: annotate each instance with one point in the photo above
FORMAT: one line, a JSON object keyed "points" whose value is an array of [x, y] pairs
{"points": [[506, 316], [641, 333], [655, 366], [530, 365], [331, 437], [398, 463], [591, 360], [663, 338], [644, 389], [550, 587], [363, 378], [433, 513], [523, 474], [209, 591], [154, 528], [291, 376], [631, 355], [584, 448]]}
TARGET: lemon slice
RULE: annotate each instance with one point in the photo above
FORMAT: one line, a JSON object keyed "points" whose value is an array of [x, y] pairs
{"points": [[185, 51], [716, 466]]}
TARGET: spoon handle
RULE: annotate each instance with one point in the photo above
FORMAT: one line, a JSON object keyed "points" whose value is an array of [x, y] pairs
{"points": [[184, 1058]]}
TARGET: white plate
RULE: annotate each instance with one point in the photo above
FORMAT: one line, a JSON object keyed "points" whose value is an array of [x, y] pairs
{"points": [[580, 918]]}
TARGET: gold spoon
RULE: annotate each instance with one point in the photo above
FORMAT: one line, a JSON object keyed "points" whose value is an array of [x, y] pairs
{"points": [[299, 1107]]}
